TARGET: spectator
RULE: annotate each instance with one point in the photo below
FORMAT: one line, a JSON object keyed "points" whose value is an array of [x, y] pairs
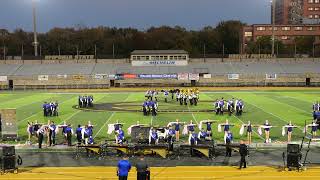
{"points": [[124, 167], [143, 172]]}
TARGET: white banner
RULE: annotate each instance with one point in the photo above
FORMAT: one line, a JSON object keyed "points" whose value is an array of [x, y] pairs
{"points": [[194, 76], [62, 76], [233, 76], [183, 76], [101, 76], [160, 63], [207, 76], [271, 76], [3, 78], [112, 76], [43, 77]]}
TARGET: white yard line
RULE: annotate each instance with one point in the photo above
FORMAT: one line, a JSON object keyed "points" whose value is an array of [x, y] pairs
{"points": [[113, 113], [271, 114], [104, 125], [289, 105], [194, 118]]}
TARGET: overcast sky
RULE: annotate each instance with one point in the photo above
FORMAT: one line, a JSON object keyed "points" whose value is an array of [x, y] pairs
{"points": [[141, 14]]}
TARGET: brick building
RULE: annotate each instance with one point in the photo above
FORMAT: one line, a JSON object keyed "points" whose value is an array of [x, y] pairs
{"points": [[296, 12], [285, 33]]}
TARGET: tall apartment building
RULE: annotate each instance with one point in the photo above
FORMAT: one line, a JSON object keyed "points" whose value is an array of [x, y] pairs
{"points": [[296, 12]]}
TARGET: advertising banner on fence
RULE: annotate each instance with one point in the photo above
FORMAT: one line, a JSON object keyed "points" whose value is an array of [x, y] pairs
{"points": [[3, 78], [271, 76], [77, 77], [129, 76], [158, 76], [160, 63], [62, 76], [233, 76], [207, 76], [101, 76], [112, 76], [194, 76], [183, 76], [43, 77]]}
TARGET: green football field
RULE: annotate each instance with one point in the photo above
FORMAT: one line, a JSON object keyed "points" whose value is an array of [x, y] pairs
{"points": [[278, 107]]}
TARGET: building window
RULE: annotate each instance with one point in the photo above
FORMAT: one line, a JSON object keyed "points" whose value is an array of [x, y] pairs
{"points": [[261, 28], [316, 1], [310, 28], [247, 34], [310, 1], [310, 16], [298, 28], [316, 16], [284, 37], [316, 8], [310, 9], [275, 28], [285, 28]]}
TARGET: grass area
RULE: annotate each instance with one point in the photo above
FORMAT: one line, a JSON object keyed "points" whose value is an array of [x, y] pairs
{"points": [[278, 107]]}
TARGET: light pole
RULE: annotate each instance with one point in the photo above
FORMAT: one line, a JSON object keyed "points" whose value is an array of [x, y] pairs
{"points": [[35, 39], [273, 6]]}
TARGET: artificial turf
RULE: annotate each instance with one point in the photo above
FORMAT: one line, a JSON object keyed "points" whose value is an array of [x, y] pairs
{"points": [[278, 107]]}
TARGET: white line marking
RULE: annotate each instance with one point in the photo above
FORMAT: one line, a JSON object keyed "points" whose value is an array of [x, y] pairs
{"points": [[104, 125]]}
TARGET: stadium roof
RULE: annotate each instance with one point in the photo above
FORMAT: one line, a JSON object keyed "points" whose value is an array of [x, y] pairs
{"points": [[140, 52]]}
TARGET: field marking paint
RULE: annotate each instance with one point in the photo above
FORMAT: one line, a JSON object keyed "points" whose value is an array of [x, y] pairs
{"points": [[75, 113], [194, 118], [288, 105], [104, 125], [272, 114], [113, 113], [33, 102]]}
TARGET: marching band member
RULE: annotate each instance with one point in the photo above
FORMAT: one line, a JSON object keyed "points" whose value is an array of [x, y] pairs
{"points": [[226, 128], [144, 108], [119, 136], [230, 106], [64, 132], [228, 141], [36, 127], [202, 135], [85, 134], [193, 139], [52, 134], [79, 134], [69, 132], [190, 97], [170, 136], [153, 136], [176, 128], [266, 126], [41, 131], [249, 131], [314, 128], [166, 94], [114, 127], [195, 97], [289, 127], [189, 128], [239, 107], [221, 105], [315, 108], [208, 128], [29, 131]]}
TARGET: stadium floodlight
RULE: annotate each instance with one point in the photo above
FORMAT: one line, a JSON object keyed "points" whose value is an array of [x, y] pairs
{"points": [[35, 39], [273, 7]]}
